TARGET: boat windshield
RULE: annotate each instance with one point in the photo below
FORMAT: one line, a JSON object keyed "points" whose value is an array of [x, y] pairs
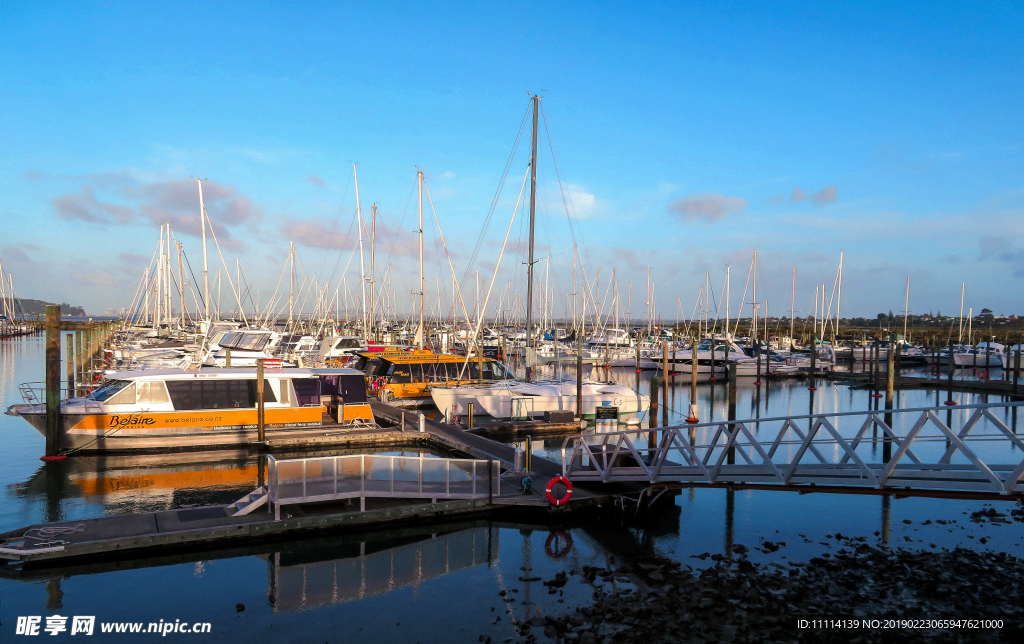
{"points": [[107, 389], [245, 341]]}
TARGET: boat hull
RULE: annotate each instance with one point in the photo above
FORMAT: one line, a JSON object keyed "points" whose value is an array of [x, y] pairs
{"points": [[205, 429]]}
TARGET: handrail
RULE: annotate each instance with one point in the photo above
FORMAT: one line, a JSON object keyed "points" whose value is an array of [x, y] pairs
{"points": [[672, 454], [326, 478]]}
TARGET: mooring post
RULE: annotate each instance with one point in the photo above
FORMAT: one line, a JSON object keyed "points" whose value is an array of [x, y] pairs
{"points": [[52, 380], [261, 430], [693, 416], [655, 394], [469, 417], [814, 354], [528, 456], [890, 381], [579, 378], [69, 367], [79, 359], [227, 357], [757, 376], [1016, 370], [664, 363], [952, 365], [732, 409]]}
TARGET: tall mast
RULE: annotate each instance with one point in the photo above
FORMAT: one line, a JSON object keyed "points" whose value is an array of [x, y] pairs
{"points": [[906, 310], [419, 330], [792, 309], [839, 299], [754, 307], [726, 305], [362, 268], [373, 265], [181, 286], [960, 329], [206, 269], [291, 284], [533, 215]]}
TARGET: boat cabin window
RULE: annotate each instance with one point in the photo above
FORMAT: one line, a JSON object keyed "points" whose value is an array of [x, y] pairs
{"points": [[500, 372], [435, 371], [152, 391], [307, 391], [347, 343], [216, 394], [108, 390], [245, 341]]}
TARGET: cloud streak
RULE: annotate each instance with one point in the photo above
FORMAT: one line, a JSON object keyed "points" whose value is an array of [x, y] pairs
{"points": [[710, 206], [175, 202]]}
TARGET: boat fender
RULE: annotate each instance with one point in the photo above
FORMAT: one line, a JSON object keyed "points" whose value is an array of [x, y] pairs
{"points": [[565, 497]]}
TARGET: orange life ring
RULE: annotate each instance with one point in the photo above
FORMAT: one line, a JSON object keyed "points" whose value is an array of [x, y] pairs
{"points": [[568, 491], [551, 546]]}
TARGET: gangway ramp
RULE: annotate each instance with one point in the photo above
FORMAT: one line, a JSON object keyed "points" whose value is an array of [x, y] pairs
{"points": [[962, 448]]}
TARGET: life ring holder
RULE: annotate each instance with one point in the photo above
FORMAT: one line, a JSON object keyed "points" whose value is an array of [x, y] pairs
{"points": [[568, 491], [551, 544]]}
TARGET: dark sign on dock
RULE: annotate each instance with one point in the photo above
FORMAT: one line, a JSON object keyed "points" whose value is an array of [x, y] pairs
{"points": [[606, 413]]}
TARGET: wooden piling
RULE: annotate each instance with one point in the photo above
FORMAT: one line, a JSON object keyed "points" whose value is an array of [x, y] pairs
{"points": [[79, 359], [732, 409], [655, 389], [69, 366], [52, 380], [693, 415], [890, 380], [227, 357], [579, 377], [814, 355], [952, 367], [664, 368], [1016, 370], [261, 430], [469, 417]]}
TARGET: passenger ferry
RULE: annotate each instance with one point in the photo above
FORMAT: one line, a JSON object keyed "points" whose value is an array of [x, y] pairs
{"points": [[405, 378], [207, 408]]}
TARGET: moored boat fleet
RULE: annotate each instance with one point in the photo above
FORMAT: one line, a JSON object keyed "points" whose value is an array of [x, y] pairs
{"points": [[181, 377]]}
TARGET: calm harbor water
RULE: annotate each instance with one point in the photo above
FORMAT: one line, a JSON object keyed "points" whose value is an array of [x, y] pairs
{"points": [[437, 583]]}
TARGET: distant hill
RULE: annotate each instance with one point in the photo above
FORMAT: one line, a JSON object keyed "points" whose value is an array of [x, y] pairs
{"points": [[38, 307]]}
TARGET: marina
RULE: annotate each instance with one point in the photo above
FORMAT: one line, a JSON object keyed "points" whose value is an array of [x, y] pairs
{"points": [[589, 324]]}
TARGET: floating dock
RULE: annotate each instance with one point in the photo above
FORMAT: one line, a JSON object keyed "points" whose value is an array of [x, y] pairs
{"points": [[321, 493]]}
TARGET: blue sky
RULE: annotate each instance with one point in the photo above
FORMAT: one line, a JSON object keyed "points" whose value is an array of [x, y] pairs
{"points": [[686, 135]]}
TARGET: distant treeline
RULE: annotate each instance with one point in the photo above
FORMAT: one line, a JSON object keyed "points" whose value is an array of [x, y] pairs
{"points": [[38, 307]]}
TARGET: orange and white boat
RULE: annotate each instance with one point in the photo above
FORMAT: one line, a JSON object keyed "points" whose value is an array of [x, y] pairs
{"points": [[207, 408]]}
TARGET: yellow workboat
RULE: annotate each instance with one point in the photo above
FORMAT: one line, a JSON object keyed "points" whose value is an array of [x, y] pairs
{"points": [[404, 378]]}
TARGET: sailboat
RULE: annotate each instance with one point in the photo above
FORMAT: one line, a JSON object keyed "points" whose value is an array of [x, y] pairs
{"points": [[529, 399]]}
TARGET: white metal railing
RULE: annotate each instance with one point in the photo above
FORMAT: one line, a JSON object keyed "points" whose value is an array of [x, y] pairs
{"points": [[327, 478], [34, 393], [962, 447]]}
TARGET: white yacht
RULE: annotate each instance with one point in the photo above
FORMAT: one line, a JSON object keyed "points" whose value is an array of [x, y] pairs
{"points": [[518, 399]]}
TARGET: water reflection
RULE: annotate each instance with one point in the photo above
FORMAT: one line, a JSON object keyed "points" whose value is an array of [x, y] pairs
{"points": [[299, 579], [87, 486]]}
